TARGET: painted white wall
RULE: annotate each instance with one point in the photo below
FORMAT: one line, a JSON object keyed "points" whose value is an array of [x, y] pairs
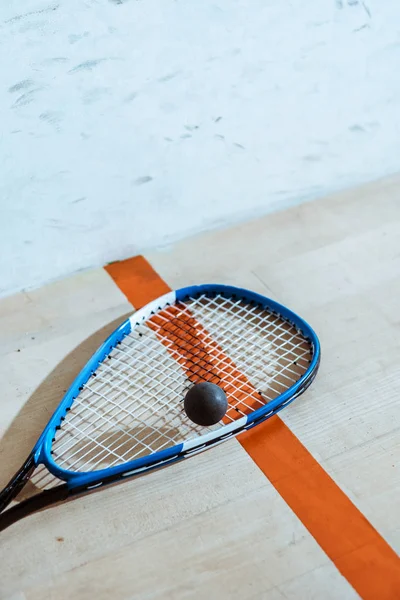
{"points": [[129, 124]]}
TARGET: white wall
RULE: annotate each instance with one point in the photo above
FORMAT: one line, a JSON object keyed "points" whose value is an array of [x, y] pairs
{"points": [[126, 125]]}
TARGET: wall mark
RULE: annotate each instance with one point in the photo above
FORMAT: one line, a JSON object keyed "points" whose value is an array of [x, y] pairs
{"points": [[143, 180]]}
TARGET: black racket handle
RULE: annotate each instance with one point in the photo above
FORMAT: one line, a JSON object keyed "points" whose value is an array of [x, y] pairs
{"points": [[17, 482]]}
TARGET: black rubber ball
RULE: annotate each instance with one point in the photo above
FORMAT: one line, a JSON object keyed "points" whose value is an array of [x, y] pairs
{"points": [[205, 403]]}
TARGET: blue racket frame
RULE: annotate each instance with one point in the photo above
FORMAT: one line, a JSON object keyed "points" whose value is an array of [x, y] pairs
{"points": [[42, 450], [80, 482]]}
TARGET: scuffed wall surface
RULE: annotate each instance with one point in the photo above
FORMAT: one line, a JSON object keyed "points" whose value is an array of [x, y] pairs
{"points": [[126, 125]]}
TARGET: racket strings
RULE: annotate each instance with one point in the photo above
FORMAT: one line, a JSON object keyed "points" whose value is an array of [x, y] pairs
{"points": [[133, 405], [262, 362], [256, 345], [139, 415], [149, 415], [216, 366]]}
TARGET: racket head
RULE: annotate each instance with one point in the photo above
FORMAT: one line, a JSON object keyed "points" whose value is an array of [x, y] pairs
{"points": [[45, 451]]}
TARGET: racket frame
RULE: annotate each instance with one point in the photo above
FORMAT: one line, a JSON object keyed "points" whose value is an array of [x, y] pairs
{"points": [[80, 482]]}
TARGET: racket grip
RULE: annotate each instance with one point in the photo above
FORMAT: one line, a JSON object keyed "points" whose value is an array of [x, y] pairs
{"points": [[17, 482]]}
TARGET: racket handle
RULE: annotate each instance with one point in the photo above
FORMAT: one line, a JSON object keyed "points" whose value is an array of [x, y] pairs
{"points": [[17, 482]]}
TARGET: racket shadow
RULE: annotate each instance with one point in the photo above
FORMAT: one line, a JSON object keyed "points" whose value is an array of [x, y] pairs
{"points": [[27, 425], [87, 452]]}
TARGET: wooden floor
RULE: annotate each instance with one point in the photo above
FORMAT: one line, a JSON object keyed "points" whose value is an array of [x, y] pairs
{"points": [[216, 526]]}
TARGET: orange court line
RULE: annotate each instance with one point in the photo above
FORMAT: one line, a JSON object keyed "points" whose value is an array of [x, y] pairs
{"points": [[358, 551]]}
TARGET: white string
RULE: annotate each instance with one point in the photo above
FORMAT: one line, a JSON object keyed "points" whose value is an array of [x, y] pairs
{"points": [[134, 404]]}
